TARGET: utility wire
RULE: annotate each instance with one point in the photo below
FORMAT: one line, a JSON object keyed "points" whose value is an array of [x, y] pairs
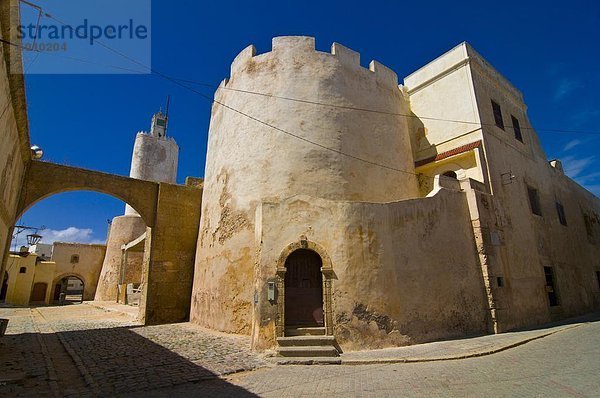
{"points": [[212, 100], [211, 85], [375, 110]]}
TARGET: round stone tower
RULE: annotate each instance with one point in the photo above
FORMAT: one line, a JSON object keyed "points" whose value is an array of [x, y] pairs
{"points": [[298, 136], [154, 159]]}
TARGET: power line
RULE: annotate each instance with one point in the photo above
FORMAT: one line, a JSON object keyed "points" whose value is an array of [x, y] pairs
{"points": [[375, 110], [212, 100], [211, 85], [82, 60]]}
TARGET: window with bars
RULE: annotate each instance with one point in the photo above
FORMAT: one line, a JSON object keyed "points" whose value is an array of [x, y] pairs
{"points": [[497, 114]]}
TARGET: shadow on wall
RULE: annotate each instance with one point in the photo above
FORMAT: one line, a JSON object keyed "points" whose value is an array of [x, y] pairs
{"points": [[118, 361]]}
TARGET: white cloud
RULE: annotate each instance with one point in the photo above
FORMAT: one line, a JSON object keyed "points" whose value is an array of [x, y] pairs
{"points": [[589, 177], [70, 234], [574, 166], [571, 144], [565, 87]]}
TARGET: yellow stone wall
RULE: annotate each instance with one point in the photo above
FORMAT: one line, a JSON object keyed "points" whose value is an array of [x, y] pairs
{"points": [[19, 284], [14, 135]]}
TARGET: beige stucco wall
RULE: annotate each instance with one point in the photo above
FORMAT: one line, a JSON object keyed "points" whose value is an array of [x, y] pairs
{"points": [[14, 135], [442, 98], [530, 242], [91, 257], [405, 272]]}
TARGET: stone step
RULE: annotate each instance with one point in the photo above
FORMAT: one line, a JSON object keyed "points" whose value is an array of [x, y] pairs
{"points": [[307, 361], [303, 341], [305, 331], [308, 351]]}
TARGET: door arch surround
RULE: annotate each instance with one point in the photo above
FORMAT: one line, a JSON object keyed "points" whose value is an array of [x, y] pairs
{"points": [[328, 276]]}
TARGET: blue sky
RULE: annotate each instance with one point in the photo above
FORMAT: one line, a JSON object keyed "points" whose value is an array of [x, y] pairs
{"points": [[549, 50]]}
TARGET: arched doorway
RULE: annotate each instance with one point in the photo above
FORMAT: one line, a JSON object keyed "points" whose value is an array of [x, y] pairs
{"points": [[69, 290], [303, 289]]}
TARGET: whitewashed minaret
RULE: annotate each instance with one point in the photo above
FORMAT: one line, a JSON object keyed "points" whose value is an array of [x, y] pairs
{"points": [[154, 155], [154, 158]]}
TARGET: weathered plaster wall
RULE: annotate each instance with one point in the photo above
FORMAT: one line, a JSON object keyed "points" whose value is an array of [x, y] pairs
{"points": [[169, 270], [248, 161], [123, 230], [91, 257], [14, 130], [405, 272]]}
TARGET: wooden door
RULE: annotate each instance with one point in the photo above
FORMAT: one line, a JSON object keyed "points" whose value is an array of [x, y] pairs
{"points": [[38, 294], [303, 289]]}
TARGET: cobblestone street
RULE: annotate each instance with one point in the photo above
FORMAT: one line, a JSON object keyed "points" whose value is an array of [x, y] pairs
{"points": [[83, 350]]}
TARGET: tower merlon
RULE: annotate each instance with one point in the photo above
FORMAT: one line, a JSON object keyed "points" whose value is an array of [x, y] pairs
{"points": [[345, 55], [384, 74], [242, 57], [293, 43]]}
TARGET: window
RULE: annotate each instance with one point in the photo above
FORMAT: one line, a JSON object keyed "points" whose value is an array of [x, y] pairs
{"points": [[23, 270], [74, 259], [550, 286], [500, 281], [534, 201], [561, 214], [497, 115], [517, 128]]}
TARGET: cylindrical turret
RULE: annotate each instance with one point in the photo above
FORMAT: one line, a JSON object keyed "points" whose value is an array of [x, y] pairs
{"points": [[298, 136], [265, 162]]}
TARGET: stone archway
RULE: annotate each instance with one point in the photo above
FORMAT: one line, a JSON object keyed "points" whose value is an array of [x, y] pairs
{"points": [[327, 273], [44, 179], [60, 282]]}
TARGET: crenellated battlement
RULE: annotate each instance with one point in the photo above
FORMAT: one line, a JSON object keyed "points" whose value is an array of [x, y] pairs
{"points": [[303, 44]]}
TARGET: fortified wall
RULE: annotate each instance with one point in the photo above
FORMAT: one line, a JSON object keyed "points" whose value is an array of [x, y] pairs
{"points": [[285, 174]]}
